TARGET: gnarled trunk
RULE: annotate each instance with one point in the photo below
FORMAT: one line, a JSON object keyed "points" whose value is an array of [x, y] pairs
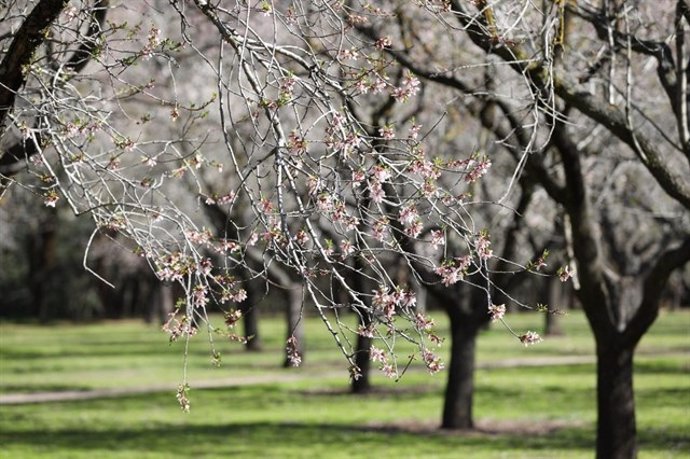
{"points": [[616, 430], [457, 408]]}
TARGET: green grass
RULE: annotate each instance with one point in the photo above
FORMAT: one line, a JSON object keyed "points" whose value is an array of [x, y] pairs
{"points": [[314, 416]]}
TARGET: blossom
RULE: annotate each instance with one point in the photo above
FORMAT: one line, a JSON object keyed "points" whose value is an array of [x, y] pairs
{"points": [[477, 169], [366, 332], [182, 397], [482, 246], [422, 322], [388, 370], [437, 238], [497, 311], [564, 273], [296, 145], [409, 88], [293, 356], [414, 131], [200, 296], [387, 132], [232, 317], [204, 267], [346, 248], [432, 361], [377, 355], [383, 42], [50, 198], [530, 338], [453, 271]]}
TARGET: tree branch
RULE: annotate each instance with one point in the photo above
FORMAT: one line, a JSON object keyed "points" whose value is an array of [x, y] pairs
{"points": [[27, 39], [653, 288]]}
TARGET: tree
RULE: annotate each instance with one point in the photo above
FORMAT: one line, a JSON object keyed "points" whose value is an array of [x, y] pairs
{"points": [[590, 122], [113, 110]]}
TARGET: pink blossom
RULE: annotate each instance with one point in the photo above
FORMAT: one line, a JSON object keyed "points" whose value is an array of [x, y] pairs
{"points": [[378, 355], [530, 338], [482, 246], [497, 311], [409, 88], [387, 132], [381, 173], [357, 178], [376, 191], [388, 370], [346, 248], [50, 198], [302, 237], [367, 332], [477, 170], [433, 362], [414, 131], [383, 42], [423, 322], [564, 273], [204, 267], [293, 356], [296, 145], [199, 296], [437, 238]]}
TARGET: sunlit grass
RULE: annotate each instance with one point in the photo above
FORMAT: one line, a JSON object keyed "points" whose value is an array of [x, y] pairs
{"points": [[315, 416]]}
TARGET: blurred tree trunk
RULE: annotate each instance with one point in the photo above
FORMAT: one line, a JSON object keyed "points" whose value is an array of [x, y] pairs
{"points": [[295, 324], [42, 265], [552, 292], [250, 317]]}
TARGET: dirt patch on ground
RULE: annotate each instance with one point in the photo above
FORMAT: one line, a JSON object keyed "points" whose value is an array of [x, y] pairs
{"points": [[484, 427]]}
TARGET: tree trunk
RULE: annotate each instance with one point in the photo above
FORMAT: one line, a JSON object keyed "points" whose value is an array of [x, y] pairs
{"points": [[616, 431], [250, 317], [362, 384], [250, 322], [42, 267], [295, 324], [457, 408], [553, 296]]}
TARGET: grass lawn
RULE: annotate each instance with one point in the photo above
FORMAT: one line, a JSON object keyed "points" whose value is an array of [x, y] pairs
{"points": [[530, 411]]}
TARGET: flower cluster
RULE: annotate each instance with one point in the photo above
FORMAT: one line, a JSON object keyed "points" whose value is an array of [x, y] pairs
{"points": [[497, 311], [411, 221], [409, 88], [178, 328], [432, 361], [387, 302], [530, 338], [564, 273], [183, 397], [174, 267], [293, 355], [379, 355], [482, 245], [453, 271]]}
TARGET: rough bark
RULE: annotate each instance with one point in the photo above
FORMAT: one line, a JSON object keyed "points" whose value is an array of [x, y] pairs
{"points": [[458, 400], [616, 427]]}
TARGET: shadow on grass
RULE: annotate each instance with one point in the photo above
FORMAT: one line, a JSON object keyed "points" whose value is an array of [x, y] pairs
{"points": [[269, 438]]}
